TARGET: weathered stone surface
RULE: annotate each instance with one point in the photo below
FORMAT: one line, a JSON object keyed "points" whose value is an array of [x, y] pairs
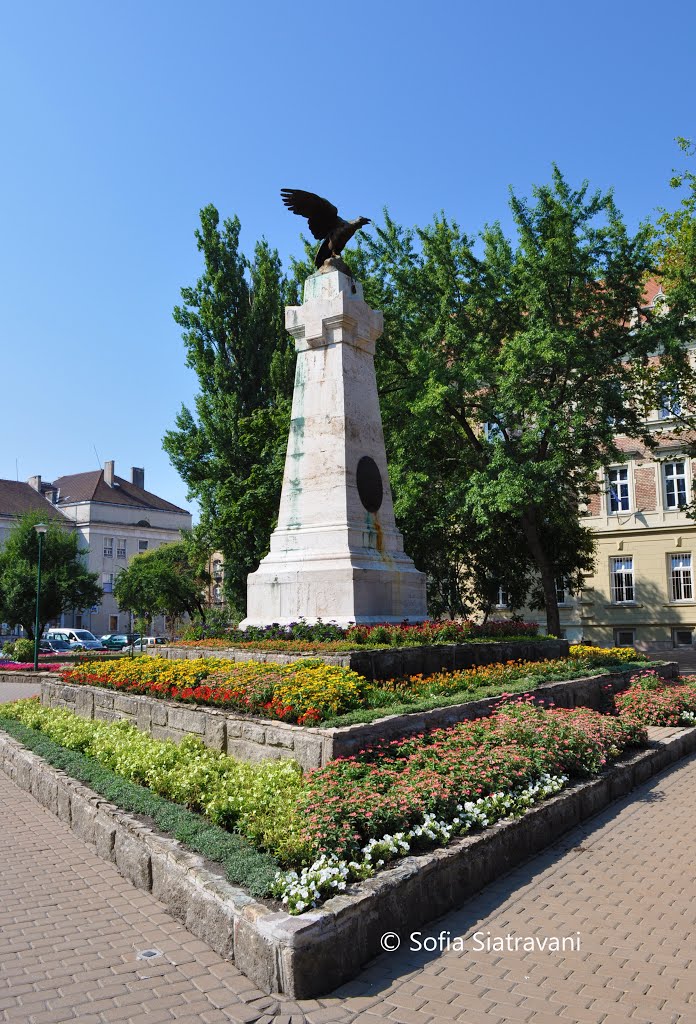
{"points": [[171, 886], [44, 787], [143, 716], [105, 832], [83, 817], [64, 808], [308, 752], [84, 701], [254, 734], [126, 706], [133, 859], [186, 720], [215, 735], [211, 920], [159, 712]]}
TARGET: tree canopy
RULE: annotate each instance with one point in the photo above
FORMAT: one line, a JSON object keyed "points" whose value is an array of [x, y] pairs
{"points": [[65, 582], [168, 580], [507, 366]]}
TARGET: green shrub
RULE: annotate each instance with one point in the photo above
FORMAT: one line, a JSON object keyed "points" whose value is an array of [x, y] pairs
{"points": [[23, 649], [251, 798]]}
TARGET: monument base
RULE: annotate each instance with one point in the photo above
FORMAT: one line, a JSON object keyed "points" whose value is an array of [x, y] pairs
{"points": [[341, 591]]}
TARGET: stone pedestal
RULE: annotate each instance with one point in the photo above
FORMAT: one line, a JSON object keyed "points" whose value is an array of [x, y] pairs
{"points": [[336, 553]]}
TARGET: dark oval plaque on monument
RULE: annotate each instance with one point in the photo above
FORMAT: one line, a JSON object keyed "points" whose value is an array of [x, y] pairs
{"points": [[369, 480]]}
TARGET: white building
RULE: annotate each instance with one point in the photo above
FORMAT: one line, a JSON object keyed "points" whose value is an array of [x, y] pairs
{"points": [[115, 519]]}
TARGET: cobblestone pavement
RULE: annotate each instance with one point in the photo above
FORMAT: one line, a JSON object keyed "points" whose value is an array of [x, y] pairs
{"points": [[71, 929]]}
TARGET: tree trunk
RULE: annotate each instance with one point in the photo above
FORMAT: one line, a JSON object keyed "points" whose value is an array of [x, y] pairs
{"points": [[546, 572]]}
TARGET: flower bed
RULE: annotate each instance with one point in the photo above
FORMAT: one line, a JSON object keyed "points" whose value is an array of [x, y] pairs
{"points": [[310, 692], [326, 637], [349, 819], [651, 701], [25, 666]]}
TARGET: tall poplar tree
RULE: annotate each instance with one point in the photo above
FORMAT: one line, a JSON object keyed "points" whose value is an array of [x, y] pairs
{"points": [[230, 448]]}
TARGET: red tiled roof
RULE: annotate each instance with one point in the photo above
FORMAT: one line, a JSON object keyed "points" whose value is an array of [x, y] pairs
{"points": [[92, 487], [652, 288], [17, 498]]}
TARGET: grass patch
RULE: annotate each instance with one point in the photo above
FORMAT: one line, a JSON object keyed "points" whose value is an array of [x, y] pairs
{"points": [[241, 862]]}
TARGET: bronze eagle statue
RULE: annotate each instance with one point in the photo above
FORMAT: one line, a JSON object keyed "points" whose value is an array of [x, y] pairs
{"points": [[324, 222]]}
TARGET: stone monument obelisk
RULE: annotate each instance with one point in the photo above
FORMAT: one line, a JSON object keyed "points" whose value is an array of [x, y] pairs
{"points": [[336, 553]]}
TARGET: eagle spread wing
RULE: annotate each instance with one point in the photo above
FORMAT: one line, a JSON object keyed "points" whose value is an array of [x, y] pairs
{"points": [[321, 214]]}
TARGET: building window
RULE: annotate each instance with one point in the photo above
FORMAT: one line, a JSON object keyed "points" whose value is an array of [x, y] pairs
{"points": [[502, 598], [492, 431], [217, 569], [619, 496], [622, 580], [624, 638], [217, 595], [142, 545], [675, 484], [683, 637], [669, 404], [108, 547], [681, 579], [107, 582], [121, 547], [562, 590], [113, 623]]}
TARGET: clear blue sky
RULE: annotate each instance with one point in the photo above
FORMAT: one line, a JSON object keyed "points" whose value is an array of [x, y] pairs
{"points": [[120, 121]]}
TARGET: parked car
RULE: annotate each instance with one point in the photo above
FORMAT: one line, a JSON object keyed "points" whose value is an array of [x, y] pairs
{"points": [[54, 645], [76, 638], [117, 641], [145, 642]]}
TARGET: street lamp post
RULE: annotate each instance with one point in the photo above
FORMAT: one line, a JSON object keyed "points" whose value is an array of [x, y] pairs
{"points": [[41, 529]]}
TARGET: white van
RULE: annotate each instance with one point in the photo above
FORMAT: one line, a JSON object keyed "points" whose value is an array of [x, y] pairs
{"points": [[75, 637]]}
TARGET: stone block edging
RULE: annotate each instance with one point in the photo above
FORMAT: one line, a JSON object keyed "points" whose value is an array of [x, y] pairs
{"points": [[309, 955], [390, 662], [254, 739]]}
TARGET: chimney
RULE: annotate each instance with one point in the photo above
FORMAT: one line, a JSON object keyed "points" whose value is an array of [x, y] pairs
{"points": [[35, 482], [109, 473], [138, 477], [51, 494]]}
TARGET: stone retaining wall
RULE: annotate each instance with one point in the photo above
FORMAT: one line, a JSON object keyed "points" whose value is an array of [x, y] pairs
{"points": [[394, 661], [254, 739], [309, 955]]}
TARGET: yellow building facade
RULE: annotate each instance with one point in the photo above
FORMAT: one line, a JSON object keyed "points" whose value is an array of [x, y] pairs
{"points": [[642, 589]]}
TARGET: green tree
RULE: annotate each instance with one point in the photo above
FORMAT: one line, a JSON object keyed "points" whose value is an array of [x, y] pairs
{"points": [[65, 582], [536, 338], [168, 580], [230, 450], [675, 241]]}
